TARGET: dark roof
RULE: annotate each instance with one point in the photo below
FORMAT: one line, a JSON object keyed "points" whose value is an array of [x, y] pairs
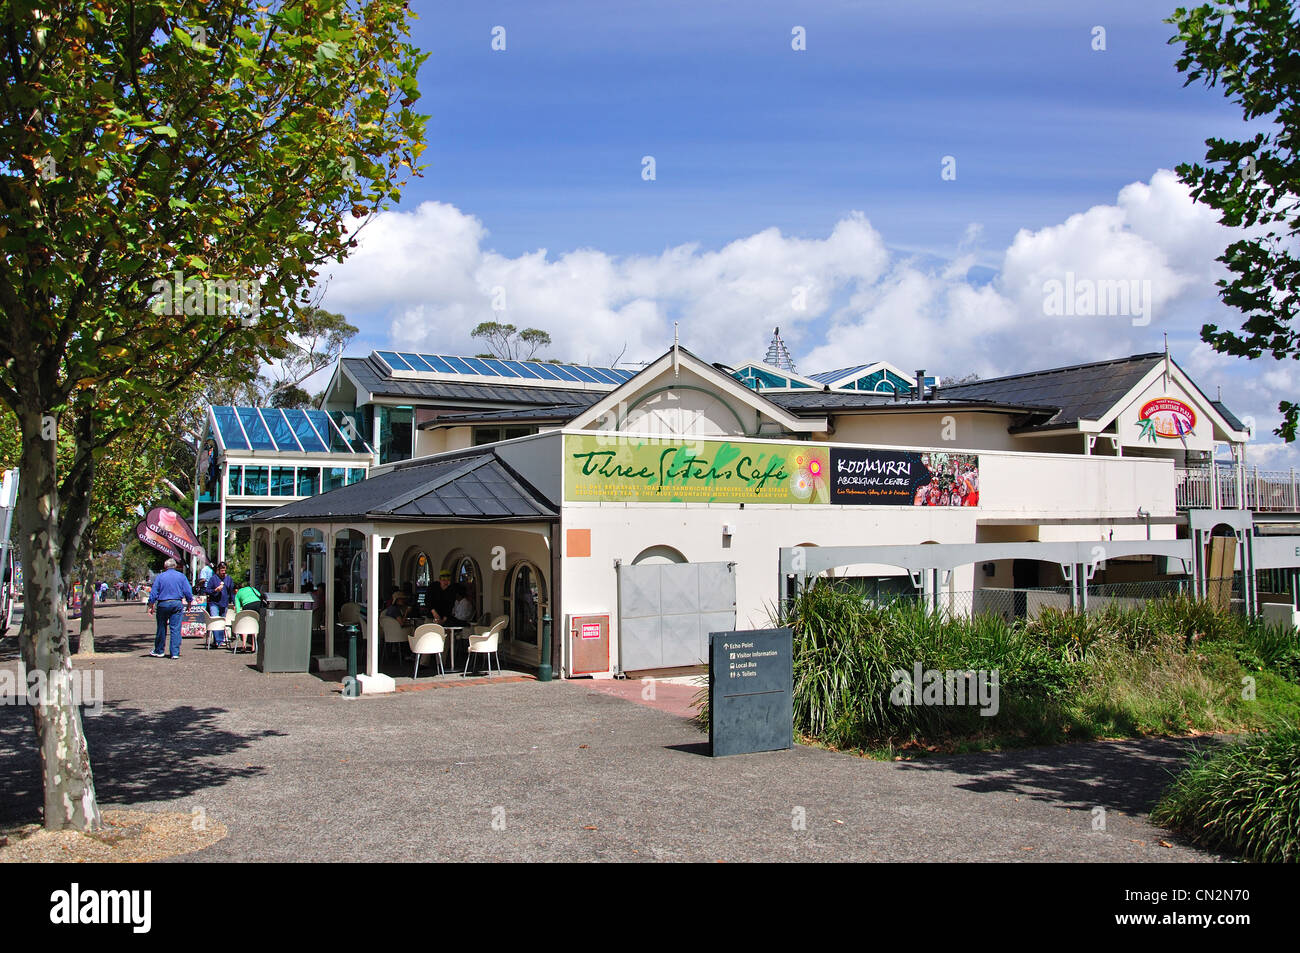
{"points": [[818, 401], [1228, 415], [560, 412], [234, 514], [1078, 392], [470, 486], [373, 378]]}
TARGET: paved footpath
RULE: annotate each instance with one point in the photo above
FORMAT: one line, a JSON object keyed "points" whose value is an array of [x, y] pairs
{"points": [[557, 771]]}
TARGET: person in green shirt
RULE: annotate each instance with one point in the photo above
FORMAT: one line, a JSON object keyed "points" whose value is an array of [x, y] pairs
{"points": [[248, 597]]}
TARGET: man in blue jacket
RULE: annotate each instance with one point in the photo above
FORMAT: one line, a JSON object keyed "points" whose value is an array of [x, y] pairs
{"points": [[221, 594], [170, 589]]}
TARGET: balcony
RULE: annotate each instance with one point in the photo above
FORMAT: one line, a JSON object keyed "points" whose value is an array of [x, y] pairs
{"points": [[1267, 491]]}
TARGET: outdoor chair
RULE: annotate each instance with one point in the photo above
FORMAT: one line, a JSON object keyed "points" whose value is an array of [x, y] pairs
{"points": [[394, 633], [485, 644], [217, 624], [428, 639], [489, 624], [247, 623]]}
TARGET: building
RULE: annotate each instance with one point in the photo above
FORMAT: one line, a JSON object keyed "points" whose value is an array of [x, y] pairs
{"points": [[641, 511]]}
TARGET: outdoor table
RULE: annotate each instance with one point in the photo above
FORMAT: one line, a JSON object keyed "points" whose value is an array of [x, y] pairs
{"points": [[451, 631]]}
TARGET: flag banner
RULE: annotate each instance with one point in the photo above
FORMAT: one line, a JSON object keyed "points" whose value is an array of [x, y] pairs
{"points": [[173, 527], [152, 539]]}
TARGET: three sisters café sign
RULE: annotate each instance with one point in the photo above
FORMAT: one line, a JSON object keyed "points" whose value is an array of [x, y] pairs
{"points": [[604, 468]]}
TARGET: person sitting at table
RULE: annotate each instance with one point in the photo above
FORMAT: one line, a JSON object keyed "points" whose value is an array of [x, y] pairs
{"points": [[400, 607], [462, 610]]}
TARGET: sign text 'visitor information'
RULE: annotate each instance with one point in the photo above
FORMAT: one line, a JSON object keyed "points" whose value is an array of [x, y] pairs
{"points": [[601, 468]]}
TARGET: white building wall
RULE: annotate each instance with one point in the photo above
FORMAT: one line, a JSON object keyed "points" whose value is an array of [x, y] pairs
{"points": [[1012, 486]]}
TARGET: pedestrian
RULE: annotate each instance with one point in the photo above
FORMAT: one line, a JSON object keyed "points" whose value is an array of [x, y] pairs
{"points": [[221, 594], [204, 575], [249, 597], [170, 589]]}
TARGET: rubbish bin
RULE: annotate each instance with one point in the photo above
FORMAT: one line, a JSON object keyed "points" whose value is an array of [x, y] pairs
{"points": [[285, 642]]}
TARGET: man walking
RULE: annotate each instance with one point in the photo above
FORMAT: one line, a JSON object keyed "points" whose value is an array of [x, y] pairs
{"points": [[170, 589]]}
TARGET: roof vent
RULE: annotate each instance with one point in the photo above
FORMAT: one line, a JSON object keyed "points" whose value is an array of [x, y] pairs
{"points": [[919, 390]]}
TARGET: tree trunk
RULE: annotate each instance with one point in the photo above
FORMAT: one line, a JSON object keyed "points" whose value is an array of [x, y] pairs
{"points": [[86, 639], [65, 760]]}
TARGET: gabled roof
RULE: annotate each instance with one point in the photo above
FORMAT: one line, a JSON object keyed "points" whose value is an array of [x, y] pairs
{"points": [[471, 486], [1078, 392], [560, 413], [371, 377]]}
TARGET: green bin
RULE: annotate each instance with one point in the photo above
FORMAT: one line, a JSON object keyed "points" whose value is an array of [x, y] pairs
{"points": [[285, 642]]}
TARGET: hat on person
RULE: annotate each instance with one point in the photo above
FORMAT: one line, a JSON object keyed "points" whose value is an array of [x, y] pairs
{"points": [[399, 594], [445, 574]]}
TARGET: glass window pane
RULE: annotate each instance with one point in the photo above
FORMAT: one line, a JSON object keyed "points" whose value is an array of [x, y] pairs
{"points": [[478, 366], [356, 475], [500, 368], [282, 481], [337, 437], [304, 431], [393, 361], [417, 363], [256, 481], [308, 481], [458, 366], [281, 432], [335, 477], [234, 481], [256, 430], [564, 372], [524, 370], [438, 364], [231, 435]]}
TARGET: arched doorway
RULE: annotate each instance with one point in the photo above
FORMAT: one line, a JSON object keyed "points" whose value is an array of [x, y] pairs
{"points": [[465, 577], [526, 602]]}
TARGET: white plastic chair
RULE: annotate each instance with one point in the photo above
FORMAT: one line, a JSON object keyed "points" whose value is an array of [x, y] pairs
{"points": [[247, 623], [215, 624], [486, 644], [428, 639], [393, 632], [498, 623]]}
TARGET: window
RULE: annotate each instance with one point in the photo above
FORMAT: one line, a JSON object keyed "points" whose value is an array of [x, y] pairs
{"points": [[282, 481], [234, 482], [308, 481], [356, 475], [464, 574], [396, 430], [256, 481], [335, 477], [484, 435]]}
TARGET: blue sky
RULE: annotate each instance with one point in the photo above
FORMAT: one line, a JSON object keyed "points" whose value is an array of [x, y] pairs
{"points": [[544, 141], [778, 169]]}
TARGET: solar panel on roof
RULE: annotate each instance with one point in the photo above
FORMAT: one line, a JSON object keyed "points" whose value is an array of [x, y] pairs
{"points": [[417, 362], [478, 366], [394, 361], [500, 368], [547, 372], [524, 370], [459, 366]]}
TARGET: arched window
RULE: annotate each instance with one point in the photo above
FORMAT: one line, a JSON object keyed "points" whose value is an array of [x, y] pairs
{"points": [[419, 570], [526, 598], [465, 574], [655, 555]]}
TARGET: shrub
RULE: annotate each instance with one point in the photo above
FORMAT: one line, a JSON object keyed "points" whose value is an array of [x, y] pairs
{"points": [[1244, 797]]}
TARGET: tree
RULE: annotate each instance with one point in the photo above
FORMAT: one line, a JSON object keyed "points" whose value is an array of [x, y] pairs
{"points": [[316, 345], [508, 343], [172, 178], [1251, 50]]}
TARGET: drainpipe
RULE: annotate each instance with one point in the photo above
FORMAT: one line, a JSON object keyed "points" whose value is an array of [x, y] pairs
{"points": [[1147, 515]]}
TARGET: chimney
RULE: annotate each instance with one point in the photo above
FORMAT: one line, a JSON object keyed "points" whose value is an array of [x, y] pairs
{"points": [[919, 389]]}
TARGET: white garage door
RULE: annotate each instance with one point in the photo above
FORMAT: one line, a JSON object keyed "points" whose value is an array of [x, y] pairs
{"points": [[666, 612]]}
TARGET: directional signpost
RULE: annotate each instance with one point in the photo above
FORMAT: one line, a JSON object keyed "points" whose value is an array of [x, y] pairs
{"points": [[751, 680]]}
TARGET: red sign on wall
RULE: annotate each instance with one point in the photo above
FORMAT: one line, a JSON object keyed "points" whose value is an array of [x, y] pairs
{"points": [[1170, 417]]}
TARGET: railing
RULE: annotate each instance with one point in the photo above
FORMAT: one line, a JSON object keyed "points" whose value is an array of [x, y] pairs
{"points": [[1266, 490]]}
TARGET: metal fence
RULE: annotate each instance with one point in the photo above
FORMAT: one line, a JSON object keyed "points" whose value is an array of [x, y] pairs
{"points": [[1265, 490], [1012, 604]]}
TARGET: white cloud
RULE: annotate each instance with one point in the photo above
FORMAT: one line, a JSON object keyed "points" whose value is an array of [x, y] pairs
{"points": [[430, 276]]}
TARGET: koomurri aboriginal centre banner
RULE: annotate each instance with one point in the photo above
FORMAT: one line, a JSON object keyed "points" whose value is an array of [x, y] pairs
{"points": [[904, 477], [605, 468]]}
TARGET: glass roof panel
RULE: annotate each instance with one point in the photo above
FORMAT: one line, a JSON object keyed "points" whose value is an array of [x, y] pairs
{"points": [[394, 360], [232, 438], [417, 363], [500, 368], [478, 365], [304, 431], [281, 432], [438, 364], [258, 437], [459, 366]]}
